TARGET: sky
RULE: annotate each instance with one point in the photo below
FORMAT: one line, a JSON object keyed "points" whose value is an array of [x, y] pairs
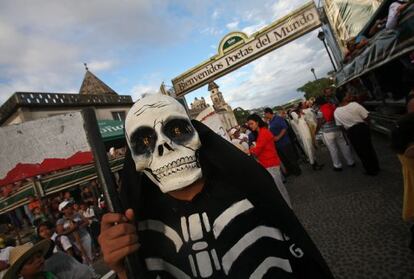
{"points": [[134, 45]]}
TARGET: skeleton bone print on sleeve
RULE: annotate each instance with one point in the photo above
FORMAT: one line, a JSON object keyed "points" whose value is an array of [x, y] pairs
{"points": [[163, 142], [228, 242]]}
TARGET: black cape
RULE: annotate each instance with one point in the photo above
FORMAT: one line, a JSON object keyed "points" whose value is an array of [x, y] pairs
{"points": [[218, 156]]}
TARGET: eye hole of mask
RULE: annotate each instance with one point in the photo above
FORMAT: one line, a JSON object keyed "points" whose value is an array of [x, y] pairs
{"points": [[178, 130], [143, 140]]}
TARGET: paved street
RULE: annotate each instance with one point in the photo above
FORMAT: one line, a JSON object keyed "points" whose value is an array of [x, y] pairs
{"points": [[354, 219]]}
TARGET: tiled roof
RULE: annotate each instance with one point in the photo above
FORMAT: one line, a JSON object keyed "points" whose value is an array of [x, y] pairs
{"points": [[92, 85]]}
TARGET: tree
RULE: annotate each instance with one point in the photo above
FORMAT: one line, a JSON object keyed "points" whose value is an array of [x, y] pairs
{"points": [[241, 115], [315, 88]]}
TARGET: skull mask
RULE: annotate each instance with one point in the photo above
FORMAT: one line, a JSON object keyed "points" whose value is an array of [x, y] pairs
{"points": [[163, 142]]}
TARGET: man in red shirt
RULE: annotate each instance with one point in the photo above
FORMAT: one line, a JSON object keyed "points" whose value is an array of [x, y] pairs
{"points": [[333, 136]]}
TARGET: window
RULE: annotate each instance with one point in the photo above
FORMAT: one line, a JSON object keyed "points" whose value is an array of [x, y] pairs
{"points": [[118, 115]]}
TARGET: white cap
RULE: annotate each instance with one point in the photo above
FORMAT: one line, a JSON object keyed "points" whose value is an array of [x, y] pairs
{"points": [[63, 204]]}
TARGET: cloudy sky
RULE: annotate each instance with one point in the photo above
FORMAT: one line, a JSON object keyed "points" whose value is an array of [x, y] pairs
{"points": [[134, 45]]}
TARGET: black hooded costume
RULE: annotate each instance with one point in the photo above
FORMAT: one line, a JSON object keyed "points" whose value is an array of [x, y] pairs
{"points": [[238, 226]]}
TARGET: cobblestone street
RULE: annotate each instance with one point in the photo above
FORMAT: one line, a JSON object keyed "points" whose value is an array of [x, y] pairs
{"points": [[354, 219]]}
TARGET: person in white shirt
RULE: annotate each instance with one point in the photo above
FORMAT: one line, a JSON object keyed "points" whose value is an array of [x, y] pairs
{"points": [[241, 143], [244, 133], [75, 227], [394, 12], [63, 262], [94, 226], [354, 119], [5, 249], [46, 230]]}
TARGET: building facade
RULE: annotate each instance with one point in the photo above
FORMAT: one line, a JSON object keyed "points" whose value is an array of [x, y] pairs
{"points": [[197, 106], [220, 106], [26, 106]]}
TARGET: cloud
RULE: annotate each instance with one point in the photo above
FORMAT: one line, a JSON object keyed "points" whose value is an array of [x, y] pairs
{"points": [[45, 43], [140, 89], [215, 14], [273, 79], [283, 7], [214, 31], [232, 25], [103, 65], [249, 30]]}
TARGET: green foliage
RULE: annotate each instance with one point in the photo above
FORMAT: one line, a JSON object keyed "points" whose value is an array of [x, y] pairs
{"points": [[241, 115], [315, 88]]}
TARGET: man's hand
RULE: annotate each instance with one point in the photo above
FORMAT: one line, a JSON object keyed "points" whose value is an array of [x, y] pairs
{"points": [[401, 8], [118, 239], [281, 135]]}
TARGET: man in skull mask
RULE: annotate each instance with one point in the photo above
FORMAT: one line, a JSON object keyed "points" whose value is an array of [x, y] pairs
{"points": [[204, 209]]}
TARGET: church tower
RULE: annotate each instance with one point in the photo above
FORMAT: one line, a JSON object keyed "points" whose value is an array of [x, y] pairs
{"points": [[217, 98], [221, 107]]}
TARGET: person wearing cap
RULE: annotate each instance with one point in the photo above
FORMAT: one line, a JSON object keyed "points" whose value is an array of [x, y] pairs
{"points": [[238, 141], [27, 261], [75, 227]]}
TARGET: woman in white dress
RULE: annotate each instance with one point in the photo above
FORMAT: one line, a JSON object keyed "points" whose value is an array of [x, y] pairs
{"points": [[310, 118], [306, 139]]}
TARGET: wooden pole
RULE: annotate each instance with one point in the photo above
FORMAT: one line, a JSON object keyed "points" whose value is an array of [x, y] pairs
{"points": [[105, 176]]}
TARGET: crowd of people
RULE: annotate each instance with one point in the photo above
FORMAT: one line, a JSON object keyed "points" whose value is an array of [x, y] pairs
{"points": [[67, 224], [71, 226], [280, 141], [335, 119], [67, 229]]}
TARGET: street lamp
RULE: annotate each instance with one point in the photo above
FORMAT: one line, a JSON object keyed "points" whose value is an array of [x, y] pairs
{"points": [[321, 36], [313, 72]]}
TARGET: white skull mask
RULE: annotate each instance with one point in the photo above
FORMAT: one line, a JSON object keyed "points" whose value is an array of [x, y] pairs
{"points": [[163, 142]]}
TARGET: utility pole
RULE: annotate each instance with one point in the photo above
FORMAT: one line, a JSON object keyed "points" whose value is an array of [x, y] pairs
{"points": [[313, 72], [321, 36]]}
